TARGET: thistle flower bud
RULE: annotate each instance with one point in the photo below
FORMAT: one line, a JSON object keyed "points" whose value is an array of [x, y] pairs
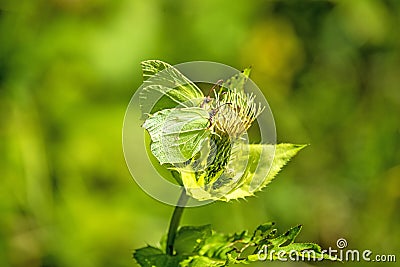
{"points": [[236, 113]]}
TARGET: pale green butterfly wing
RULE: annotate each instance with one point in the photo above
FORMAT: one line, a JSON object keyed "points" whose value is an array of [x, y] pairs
{"points": [[165, 87], [177, 134]]}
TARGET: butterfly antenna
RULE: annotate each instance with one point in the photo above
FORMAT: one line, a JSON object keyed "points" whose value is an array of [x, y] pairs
{"points": [[218, 83], [208, 99]]}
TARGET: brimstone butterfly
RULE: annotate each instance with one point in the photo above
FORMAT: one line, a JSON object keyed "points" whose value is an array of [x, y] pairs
{"points": [[179, 116]]}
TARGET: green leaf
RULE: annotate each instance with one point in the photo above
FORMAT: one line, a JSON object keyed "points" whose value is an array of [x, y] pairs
{"points": [[190, 239], [260, 158], [201, 261], [177, 134], [154, 257], [165, 87], [198, 246], [254, 159], [286, 238], [264, 231]]}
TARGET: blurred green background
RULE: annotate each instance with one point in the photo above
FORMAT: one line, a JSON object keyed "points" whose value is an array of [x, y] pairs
{"points": [[329, 69]]}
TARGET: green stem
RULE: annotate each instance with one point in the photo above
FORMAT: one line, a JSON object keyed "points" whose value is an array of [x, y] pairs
{"points": [[174, 223]]}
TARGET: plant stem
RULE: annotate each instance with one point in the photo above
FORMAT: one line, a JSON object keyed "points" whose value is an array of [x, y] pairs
{"points": [[174, 223]]}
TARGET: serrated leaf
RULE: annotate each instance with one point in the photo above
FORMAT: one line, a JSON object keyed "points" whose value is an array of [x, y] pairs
{"points": [[260, 158], [254, 160], [154, 257], [218, 249], [190, 239], [201, 261], [243, 248], [264, 231], [287, 238]]}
